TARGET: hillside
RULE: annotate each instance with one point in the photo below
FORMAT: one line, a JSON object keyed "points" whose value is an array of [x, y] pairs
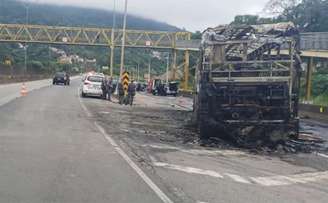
{"points": [[12, 11], [41, 60]]}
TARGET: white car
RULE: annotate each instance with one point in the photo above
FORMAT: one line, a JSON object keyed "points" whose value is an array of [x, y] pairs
{"points": [[91, 85]]}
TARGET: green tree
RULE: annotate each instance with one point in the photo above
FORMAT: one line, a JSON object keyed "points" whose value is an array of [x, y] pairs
{"points": [[35, 67], [196, 35], [307, 15], [245, 20]]}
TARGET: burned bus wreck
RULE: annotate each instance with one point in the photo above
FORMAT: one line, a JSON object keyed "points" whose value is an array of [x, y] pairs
{"points": [[248, 82]]}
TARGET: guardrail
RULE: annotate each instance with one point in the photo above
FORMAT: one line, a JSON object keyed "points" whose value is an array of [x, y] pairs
{"points": [[6, 79], [309, 41], [314, 109]]}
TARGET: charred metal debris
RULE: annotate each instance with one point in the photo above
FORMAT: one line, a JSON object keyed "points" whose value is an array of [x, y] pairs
{"points": [[248, 82]]}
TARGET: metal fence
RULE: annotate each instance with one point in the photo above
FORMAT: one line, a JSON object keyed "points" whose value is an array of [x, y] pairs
{"points": [[314, 41], [309, 41]]}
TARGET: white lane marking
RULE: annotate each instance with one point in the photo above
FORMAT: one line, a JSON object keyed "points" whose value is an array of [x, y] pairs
{"points": [[238, 178], [291, 179], [198, 151], [278, 180], [144, 177], [188, 169], [270, 181], [134, 166], [82, 104], [104, 112], [322, 155]]}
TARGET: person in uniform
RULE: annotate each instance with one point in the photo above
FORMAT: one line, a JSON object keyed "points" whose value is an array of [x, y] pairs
{"points": [[109, 88], [104, 88], [120, 93], [131, 92]]}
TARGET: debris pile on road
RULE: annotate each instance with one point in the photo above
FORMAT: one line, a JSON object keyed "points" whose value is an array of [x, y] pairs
{"points": [[166, 125]]}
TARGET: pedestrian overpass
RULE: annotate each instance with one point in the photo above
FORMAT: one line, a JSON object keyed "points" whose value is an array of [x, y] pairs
{"points": [[313, 45]]}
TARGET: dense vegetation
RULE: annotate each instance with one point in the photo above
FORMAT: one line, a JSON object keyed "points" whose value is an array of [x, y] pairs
{"points": [[40, 60], [308, 16]]}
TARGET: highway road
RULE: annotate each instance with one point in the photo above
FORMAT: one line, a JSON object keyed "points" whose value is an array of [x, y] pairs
{"points": [[58, 147], [50, 151]]}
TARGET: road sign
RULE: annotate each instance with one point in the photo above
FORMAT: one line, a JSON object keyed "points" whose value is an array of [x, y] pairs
{"points": [[126, 81]]}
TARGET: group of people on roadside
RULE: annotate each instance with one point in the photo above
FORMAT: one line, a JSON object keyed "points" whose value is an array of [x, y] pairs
{"points": [[131, 93], [123, 98], [107, 88]]}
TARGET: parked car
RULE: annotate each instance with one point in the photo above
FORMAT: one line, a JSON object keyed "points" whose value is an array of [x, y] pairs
{"points": [[91, 85], [61, 78], [172, 88], [156, 86], [141, 87]]}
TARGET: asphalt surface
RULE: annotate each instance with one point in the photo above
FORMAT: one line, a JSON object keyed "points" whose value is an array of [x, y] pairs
{"points": [[157, 132], [58, 147], [50, 151]]}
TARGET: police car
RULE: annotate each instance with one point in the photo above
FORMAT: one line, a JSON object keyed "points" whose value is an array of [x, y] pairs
{"points": [[91, 85]]}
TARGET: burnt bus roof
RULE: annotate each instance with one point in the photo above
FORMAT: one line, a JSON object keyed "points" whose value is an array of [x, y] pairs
{"points": [[259, 39]]}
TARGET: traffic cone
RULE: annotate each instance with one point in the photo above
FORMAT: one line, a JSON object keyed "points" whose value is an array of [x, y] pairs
{"points": [[23, 90]]}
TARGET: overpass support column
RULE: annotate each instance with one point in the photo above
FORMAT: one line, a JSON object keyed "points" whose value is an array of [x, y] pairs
{"points": [[174, 64], [186, 70], [111, 65], [309, 79]]}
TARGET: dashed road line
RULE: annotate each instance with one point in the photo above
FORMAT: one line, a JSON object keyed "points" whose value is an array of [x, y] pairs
{"points": [[291, 179], [197, 151], [322, 155], [134, 166], [238, 178], [188, 169], [82, 104], [278, 180]]}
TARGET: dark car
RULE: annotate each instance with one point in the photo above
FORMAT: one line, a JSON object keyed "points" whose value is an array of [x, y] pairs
{"points": [[141, 87], [61, 78], [172, 88]]}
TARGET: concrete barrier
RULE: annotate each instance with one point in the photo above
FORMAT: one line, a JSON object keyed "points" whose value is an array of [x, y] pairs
{"points": [[8, 79], [305, 108], [9, 92], [314, 109]]}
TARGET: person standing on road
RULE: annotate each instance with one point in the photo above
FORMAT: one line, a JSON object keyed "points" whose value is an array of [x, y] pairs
{"points": [[109, 88], [104, 88], [120, 93], [131, 92]]}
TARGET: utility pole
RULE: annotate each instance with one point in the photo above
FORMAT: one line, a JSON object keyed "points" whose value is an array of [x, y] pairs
{"points": [[186, 70], [113, 41], [25, 45], [149, 64], [138, 70], [49, 57], [123, 38]]}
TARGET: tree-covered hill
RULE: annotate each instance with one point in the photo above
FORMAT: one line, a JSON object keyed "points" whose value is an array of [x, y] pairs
{"points": [[13, 11], [41, 60]]}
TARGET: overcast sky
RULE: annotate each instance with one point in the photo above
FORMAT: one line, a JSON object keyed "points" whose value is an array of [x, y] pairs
{"points": [[190, 14]]}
